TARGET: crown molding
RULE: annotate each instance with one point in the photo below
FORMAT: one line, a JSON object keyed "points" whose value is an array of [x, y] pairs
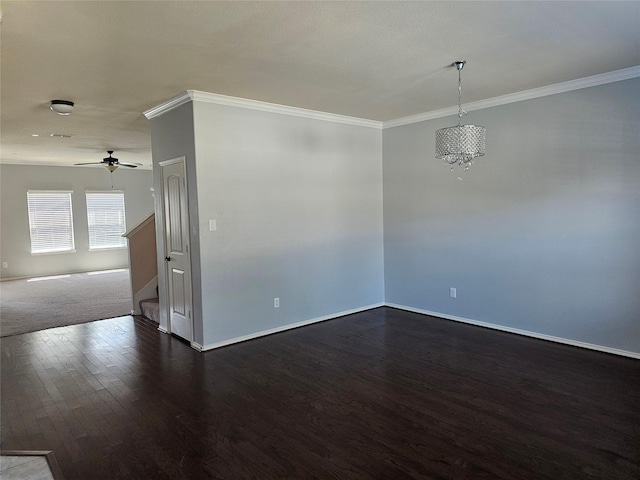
{"points": [[281, 109], [205, 97], [170, 104], [595, 80]]}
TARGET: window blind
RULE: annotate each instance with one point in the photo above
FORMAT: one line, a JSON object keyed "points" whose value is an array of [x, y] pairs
{"points": [[50, 221], [106, 219]]}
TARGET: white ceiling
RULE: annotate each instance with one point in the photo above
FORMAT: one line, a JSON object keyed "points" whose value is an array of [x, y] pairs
{"points": [[372, 60]]}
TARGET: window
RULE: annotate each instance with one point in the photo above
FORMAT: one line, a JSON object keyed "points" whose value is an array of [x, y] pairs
{"points": [[50, 222], [105, 215]]}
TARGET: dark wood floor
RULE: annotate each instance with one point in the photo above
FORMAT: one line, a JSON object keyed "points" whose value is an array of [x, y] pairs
{"points": [[383, 394]]}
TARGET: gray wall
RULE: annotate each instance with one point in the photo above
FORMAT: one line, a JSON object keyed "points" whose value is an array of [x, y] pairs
{"points": [[15, 246], [298, 205], [542, 234], [172, 136]]}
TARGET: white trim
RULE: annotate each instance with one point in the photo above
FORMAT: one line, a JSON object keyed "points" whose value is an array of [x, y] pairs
{"points": [[526, 333], [171, 161], [133, 230], [50, 191], [162, 329], [166, 287], [281, 109], [104, 191], [270, 331], [102, 249], [196, 95], [36, 275], [55, 252], [205, 97], [170, 104], [146, 292], [595, 80]]}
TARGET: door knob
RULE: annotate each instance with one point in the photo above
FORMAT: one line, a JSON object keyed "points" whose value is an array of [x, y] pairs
{"points": [[168, 259]]}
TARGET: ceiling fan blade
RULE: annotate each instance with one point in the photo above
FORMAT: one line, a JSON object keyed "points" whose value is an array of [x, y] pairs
{"points": [[90, 163], [132, 165]]}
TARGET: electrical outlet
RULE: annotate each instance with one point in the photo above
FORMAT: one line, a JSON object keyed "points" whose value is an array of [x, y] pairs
{"points": [[276, 302], [452, 292], [212, 226], [5, 264]]}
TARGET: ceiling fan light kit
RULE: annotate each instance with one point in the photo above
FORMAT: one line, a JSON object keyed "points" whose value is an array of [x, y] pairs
{"points": [[460, 144], [62, 107]]}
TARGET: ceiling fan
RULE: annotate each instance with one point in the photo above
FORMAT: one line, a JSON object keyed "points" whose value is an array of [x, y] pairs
{"points": [[111, 163]]}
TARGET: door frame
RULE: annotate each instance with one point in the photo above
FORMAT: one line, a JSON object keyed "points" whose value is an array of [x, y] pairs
{"points": [[162, 254]]}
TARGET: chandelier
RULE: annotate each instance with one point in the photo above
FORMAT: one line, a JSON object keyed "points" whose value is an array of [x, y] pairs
{"points": [[462, 143]]}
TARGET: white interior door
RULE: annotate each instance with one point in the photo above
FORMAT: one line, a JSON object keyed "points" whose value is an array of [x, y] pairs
{"points": [[176, 241]]}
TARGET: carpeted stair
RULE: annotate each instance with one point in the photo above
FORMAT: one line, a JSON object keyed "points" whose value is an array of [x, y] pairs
{"points": [[150, 309]]}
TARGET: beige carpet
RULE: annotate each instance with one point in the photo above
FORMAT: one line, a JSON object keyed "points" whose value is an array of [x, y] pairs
{"points": [[47, 302]]}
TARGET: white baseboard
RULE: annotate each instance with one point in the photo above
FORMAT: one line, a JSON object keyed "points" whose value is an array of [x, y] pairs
{"points": [[78, 272], [270, 331], [163, 330], [148, 291], [493, 326], [518, 331]]}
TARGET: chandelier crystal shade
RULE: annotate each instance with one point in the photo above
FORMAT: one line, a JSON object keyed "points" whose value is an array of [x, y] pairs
{"points": [[462, 143]]}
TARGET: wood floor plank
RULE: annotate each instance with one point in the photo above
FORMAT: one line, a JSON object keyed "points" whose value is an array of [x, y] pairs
{"points": [[382, 394]]}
